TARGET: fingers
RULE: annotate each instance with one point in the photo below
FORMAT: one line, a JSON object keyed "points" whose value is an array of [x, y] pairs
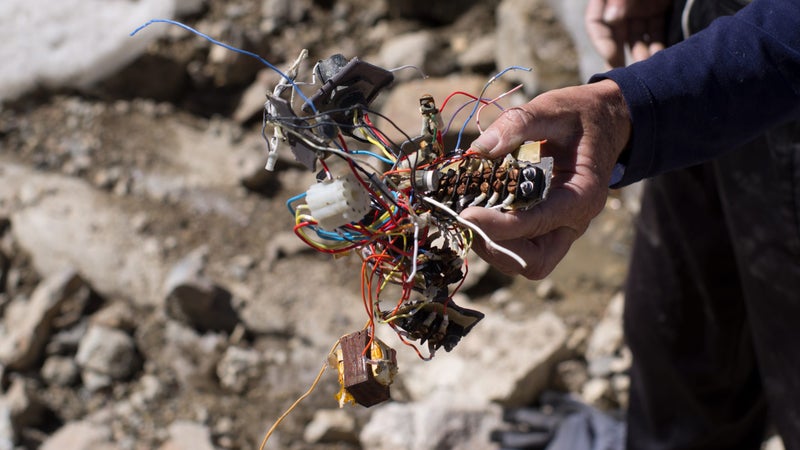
{"points": [[503, 226], [607, 39], [541, 253], [645, 37], [533, 235], [613, 24], [639, 40], [562, 209]]}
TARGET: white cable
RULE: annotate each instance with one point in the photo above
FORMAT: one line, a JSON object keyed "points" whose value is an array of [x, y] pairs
{"points": [[416, 252], [332, 150], [476, 229], [410, 66]]}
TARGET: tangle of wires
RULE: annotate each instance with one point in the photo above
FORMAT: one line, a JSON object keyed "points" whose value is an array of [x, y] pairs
{"points": [[395, 204]]}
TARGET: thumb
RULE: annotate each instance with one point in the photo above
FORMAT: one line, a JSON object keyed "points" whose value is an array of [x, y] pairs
{"points": [[509, 131], [487, 141]]}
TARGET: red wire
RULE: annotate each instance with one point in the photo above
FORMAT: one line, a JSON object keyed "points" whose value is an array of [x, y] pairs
{"points": [[459, 93], [325, 167], [381, 137], [367, 296], [404, 341]]}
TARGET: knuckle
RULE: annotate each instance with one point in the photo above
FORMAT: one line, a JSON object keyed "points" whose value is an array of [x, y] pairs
{"points": [[518, 118]]}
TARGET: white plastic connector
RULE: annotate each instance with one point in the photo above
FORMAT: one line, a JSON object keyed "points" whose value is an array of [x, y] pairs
{"points": [[334, 203]]}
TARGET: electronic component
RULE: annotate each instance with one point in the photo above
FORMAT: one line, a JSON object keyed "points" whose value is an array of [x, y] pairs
{"points": [[510, 183], [440, 323], [345, 85], [303, 149], [334, 203], [364, 379]]}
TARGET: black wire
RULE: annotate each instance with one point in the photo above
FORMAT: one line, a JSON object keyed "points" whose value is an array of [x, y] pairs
{"points": [[393, 124]]}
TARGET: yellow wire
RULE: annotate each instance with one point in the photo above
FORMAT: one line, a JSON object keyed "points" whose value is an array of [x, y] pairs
{"points": [[381, 219], [302, 215], [297, 402], [386, 152], [394, 318], [374, 142]]}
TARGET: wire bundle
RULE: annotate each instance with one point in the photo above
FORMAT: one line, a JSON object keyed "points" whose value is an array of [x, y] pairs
{"points": [[412, 244], [408, 238]]}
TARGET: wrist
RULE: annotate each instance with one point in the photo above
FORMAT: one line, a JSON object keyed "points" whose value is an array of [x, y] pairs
{"points": [[616, 118]]}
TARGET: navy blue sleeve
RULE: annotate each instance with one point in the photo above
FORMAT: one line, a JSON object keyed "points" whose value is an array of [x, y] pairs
{"points": [[717, 90]]}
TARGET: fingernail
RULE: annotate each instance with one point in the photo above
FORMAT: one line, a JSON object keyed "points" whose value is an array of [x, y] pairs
{"points": [[486, 142], [612, 14]]}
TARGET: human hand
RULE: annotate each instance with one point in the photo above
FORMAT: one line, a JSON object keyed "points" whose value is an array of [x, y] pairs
{"points": [[586, 128], [638, 24]]}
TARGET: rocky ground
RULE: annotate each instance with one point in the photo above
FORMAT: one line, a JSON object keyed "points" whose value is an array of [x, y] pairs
{"points": [[154, 296]]}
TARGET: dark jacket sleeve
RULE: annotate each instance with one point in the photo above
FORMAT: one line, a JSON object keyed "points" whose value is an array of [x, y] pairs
{"points": [[714, 91]]}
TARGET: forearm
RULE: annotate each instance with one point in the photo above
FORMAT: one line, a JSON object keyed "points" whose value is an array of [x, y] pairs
{"points": [[714, 91]]}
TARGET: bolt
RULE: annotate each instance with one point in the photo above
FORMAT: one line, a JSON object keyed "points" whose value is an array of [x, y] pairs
{"points": [[526, 188]]}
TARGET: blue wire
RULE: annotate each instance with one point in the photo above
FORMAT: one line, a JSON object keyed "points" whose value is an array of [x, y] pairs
{"points": [[292, 200], [233, 49], [384, 222], [456, 113], [477, 104], [342, 236], [374, 155]]}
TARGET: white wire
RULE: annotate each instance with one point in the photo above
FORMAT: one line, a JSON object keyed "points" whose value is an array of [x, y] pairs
{"points": [[409, 66], [333, 150], [476, 229], [414, 256]]}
